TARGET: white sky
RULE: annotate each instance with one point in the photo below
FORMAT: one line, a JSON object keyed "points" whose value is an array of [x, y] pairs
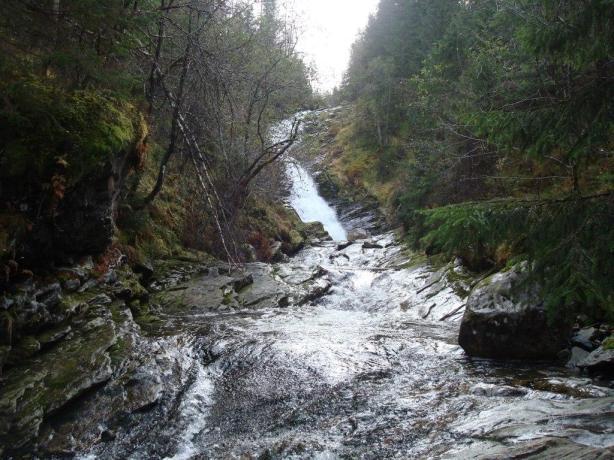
{"points": [[326, 31]]}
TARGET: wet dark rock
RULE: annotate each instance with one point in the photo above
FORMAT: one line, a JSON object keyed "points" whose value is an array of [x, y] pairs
{"points": [[27, 347], [54, 335], [332, 257], [46, 397], [316, 231], [241, 283], [586, 338], [490, 390], [277, 254], [249, 252], [88, 285], [514, 429], [110, 277], [505, 319], [342, 246], [284, 302], [50, 295], [144, 268], [317, 290], [569, 387], [599, 361], [549, 448], [254, 288], [130, 288], [46, 383], [71, 285], [371, 245], [70, 307], [82, 270]]}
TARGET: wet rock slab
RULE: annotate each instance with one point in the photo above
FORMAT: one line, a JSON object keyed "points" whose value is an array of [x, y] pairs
{"points": [[538, 428], [34, 391]]}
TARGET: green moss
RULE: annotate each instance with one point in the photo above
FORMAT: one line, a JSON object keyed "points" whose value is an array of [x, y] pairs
{"points": [[608, 344], [25, 349], [139, 308], [47, 130]]}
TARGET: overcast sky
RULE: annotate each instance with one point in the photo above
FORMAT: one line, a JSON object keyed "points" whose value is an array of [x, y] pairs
{"points": [[327, 29]]}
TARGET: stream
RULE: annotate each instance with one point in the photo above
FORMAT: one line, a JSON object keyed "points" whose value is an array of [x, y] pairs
{"points": [[367, 368]]}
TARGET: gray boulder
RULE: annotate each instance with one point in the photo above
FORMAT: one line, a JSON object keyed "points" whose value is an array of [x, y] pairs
{"points": [[505, 319], [357, 234], [601, 360]]}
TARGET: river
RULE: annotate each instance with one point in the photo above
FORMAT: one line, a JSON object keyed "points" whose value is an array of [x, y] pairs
{"points": [[370, 369]]}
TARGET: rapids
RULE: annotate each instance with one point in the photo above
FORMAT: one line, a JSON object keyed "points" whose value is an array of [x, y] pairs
{"points": [[370, 369]]}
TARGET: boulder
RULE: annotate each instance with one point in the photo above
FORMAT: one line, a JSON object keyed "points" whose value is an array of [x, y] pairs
{"points": [[505, 319], [585, 338], [315, 230], [357, 234], [576, 356], [601, 361], [345, 245]]}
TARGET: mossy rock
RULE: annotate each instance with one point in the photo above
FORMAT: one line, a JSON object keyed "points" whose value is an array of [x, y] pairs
{"points": [[46, 128], [65, 154], [27, 347], [139, 309]]}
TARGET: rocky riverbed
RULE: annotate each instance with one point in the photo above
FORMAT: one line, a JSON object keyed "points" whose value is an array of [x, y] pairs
{"points": [[348, 349]]}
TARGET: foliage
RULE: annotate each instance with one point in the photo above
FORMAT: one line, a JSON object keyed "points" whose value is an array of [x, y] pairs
{"points": [[493, 119], [86, 84], [569, 243], [44, 129]]}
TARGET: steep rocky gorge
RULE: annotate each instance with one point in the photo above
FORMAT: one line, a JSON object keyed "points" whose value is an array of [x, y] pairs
{"points": [[347, 349]]}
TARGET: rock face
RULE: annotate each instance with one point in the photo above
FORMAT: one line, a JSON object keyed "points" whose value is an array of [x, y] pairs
{"points": [[60, 196], [83, 223], [505, 319]]}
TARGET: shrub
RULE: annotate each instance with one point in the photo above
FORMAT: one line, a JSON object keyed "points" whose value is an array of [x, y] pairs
{"points": [[569, 243]]}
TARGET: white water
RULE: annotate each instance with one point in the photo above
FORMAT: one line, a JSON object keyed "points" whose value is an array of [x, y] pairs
{"points": [[370, 370], [308, 203]]}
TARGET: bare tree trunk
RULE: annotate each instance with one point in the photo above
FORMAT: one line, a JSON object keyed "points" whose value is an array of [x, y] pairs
{"points": [[187, 58], [156, 60]]}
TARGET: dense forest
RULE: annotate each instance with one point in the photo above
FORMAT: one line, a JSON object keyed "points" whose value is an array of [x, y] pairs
{"points": [[487, 128], [142, 123], [202, 256]]}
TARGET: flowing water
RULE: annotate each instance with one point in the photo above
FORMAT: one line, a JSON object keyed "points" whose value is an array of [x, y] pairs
{"points": [[372, 369], [308, 203]]}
